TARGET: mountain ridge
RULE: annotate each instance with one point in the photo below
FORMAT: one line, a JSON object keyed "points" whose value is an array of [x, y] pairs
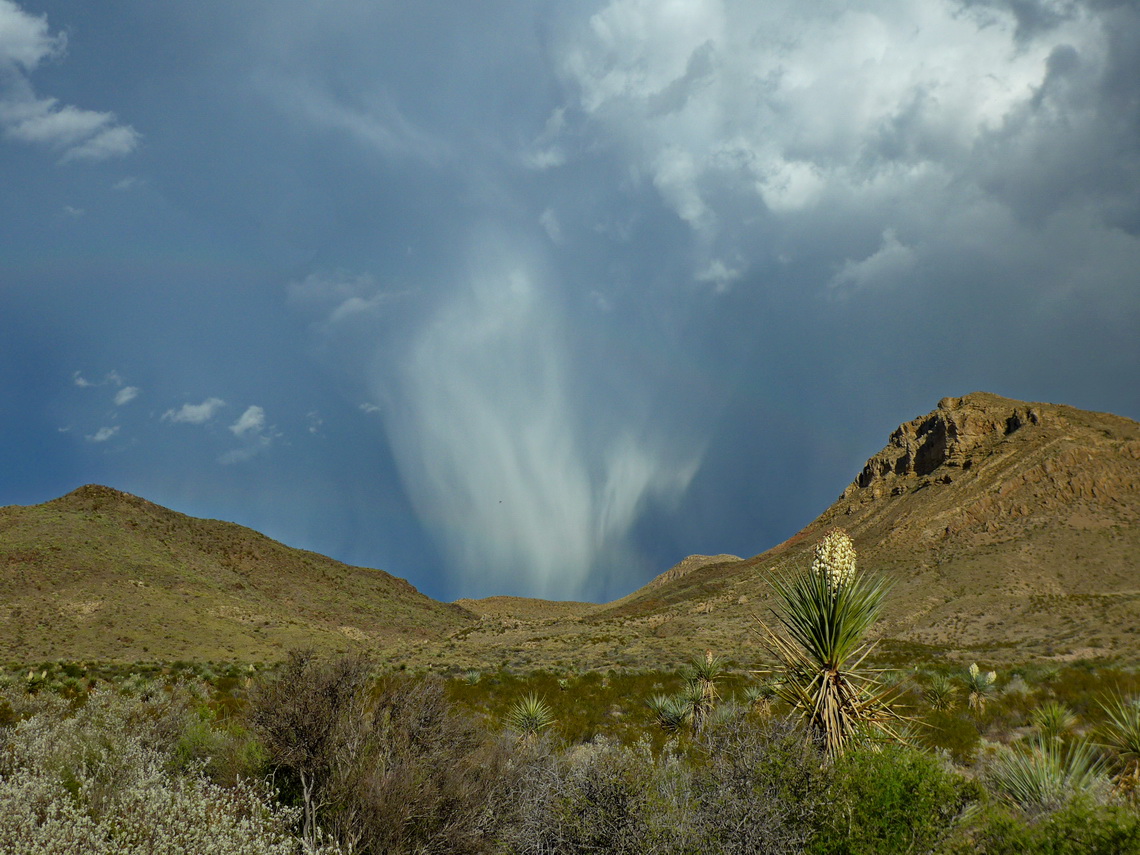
{"points": [[1007, 529]]}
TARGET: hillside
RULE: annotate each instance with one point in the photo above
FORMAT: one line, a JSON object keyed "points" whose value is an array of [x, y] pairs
{"points": [[101, 574], [1009, 530]]}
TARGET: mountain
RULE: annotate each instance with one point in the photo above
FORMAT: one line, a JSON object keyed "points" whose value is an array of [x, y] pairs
{"points": [[1008, 531], [101, 574], [1006, 528]]}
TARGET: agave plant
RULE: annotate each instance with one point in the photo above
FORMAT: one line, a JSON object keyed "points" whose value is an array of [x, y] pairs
{"points": [[825, 615], [1045, 774], [1053, 720], [530, 716], [1120, 736]]}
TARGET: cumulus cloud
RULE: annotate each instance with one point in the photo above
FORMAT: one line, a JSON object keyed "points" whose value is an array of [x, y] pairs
{"points": [[77, 133], [195, 414], [793, 109], [250, 422], [126, 395], [255, 435]]}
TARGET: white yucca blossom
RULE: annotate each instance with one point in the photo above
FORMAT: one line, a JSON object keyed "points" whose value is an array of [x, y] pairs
{"points": [[835, 559], [981, 680]]}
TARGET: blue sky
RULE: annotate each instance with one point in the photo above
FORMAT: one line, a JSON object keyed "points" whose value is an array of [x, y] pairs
{"points": [[538, 298]]}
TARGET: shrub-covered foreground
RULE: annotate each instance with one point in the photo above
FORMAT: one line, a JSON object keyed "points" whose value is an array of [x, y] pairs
{"points": [[326, 756]]}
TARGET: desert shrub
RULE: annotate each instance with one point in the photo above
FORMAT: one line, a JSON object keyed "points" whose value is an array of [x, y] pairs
{"points": [[384, 768], [1082, 827], [98, 781], [425, 780], [604, 797], [890, 799], [757, 788]]}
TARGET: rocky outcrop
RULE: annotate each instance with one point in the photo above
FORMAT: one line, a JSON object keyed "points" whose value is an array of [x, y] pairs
{"points": [[947, 439]]}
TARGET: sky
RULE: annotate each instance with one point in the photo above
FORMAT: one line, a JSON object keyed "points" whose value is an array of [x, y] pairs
{"points": [[537, 298]]}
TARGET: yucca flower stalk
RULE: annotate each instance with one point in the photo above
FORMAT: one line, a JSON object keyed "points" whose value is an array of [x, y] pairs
{"points": [[826, 614]]}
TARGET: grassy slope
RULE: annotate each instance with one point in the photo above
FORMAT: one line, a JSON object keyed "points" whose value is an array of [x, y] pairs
{"points": [[100, 574]]}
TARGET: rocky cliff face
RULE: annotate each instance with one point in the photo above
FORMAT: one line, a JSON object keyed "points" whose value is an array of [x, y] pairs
{"points": [[949, 438]]}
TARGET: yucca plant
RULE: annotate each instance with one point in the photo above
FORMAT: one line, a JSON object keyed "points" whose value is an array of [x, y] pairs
{"points": [[701, 691], [940, 692], [672, 712], [825, 615], [529, 716], [1045, 774], [979, 686], [1120, 736], [760, 695], [1053, 720]]}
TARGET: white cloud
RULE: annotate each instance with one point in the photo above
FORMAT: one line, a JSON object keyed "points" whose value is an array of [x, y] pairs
{"points": [[369, 408], [72, 211], [195, 414], [784, 107], [889, 263], [378, 124], [80, 381], [549, 222], [126, 395], [25, 39], [103, 434], [252, 421], [79, 134]]}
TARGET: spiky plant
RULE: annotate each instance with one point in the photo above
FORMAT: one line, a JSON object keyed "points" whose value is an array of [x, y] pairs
{"points": [[760, 695], [1044, 774], [1053, 720], [529, 716], [700, 690], [825, 615], [940, 692], [979, 685], [1120, 736], [671, 711]]}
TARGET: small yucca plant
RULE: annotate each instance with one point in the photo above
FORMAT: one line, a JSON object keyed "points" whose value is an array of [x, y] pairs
{"points": [[1045, 774], [826, 614], [530, 716], [672, 712], [1053, 720], [940, 692], [1120, 736]]}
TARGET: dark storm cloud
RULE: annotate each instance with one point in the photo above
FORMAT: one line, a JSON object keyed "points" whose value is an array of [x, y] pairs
{"points": [[552, 296]]}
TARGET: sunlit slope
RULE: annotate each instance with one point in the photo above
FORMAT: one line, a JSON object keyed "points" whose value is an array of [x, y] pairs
{"points": [[102, 574], [1002, 524]]}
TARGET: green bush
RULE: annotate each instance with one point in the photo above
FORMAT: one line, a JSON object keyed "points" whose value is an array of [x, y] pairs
{"points": [[1082, 827], [890, 800]]}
